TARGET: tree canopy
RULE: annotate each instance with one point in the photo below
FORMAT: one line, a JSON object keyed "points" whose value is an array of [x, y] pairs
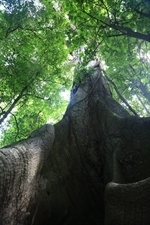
{"points": [[38, 41]]}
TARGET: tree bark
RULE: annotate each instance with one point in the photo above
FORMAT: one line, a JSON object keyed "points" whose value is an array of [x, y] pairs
{"points": [[20, 177], [128, 203], [59, 174]]}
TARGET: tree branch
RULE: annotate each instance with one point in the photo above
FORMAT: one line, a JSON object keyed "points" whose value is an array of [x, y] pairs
{"points": [[143, 89], [13, 104], [143, 14], [143, 104], [125, 30], [17, 99], [120, 95], [129, 32]]}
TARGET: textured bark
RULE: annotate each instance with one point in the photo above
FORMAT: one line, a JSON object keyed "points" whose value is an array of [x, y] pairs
{"points": [[127, 198], [58, 175], [75, 164], [78, 167], [128, 203], [20, 178]]}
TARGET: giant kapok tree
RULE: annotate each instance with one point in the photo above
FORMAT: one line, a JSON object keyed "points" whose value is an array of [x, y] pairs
{"points": [[90, 164]]}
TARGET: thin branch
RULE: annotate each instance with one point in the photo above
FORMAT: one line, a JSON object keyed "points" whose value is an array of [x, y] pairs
{"points": [[120, 95], [142, 13], [39, 97], [13, 104], [115, 35], [9, 30], [124, 30], [129, 32], [143, 104], [16, 100], [143, 89]]}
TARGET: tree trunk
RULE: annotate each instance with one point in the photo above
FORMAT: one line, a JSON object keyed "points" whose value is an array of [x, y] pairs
{"points": [[59, 174]]}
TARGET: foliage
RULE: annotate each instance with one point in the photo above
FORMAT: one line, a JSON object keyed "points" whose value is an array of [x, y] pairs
{"points": [[33, 50], [80, 74], [36, 39]]}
